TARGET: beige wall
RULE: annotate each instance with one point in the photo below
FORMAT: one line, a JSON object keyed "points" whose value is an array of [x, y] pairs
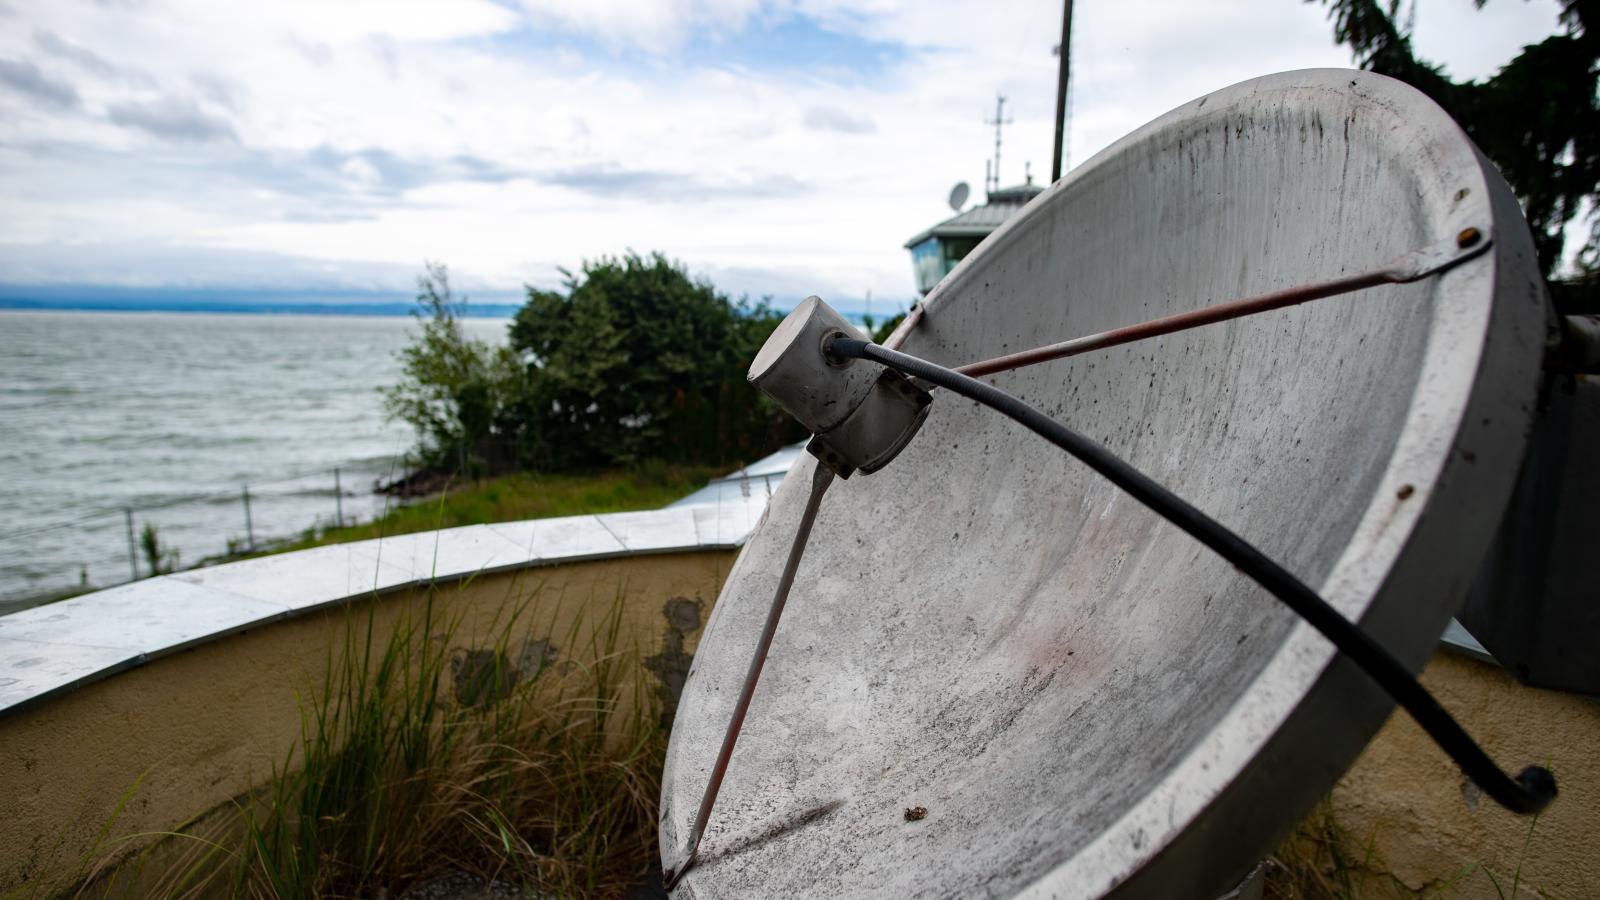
{"points": [[1426, 825], [202, 726]]}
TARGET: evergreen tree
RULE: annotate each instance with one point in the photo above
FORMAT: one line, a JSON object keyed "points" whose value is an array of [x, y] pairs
{"points": [[1538, 118]]}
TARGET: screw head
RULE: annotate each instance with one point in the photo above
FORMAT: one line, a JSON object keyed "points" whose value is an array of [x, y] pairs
{"points": [[1468, 237]]}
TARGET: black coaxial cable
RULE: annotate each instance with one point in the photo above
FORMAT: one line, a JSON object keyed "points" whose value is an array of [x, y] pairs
{"points": [[1529, 792]]}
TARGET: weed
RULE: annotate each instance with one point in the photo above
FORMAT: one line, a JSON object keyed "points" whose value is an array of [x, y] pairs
{"points": [[533, 777], [416, 757], [527, 495], [158, 557], [1321, 860], [1522, 857]]}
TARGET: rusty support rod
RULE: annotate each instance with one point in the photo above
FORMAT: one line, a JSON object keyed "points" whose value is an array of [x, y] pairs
{"points": [[820, 479], [904, 329], [1411, 267]]}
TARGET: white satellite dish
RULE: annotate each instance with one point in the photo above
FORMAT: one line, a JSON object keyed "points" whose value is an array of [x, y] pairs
{"points": [[958, 195], [1081, 698]]}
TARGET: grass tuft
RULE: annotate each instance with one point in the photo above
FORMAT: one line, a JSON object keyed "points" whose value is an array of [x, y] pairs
{"points": [[418, 756], [1322, 860], [526, 495]]}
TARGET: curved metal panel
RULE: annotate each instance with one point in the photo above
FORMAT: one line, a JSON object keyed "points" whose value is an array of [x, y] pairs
{"points": [[1083, 700]]}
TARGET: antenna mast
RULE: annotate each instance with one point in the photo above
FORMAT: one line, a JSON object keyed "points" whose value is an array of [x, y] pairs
{"points": [[992, 182], [1064, 50]]}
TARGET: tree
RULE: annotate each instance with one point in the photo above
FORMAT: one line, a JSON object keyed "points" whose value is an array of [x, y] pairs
{"points": [[1538, 118], [634, 361], [457, 392], [880, 332], [637, 360]]}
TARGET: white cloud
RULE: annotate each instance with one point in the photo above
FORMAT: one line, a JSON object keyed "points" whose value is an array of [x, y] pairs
{"points": [[26, 78], [335, 22], [361, 171], [170, 119], [829, 118], [1474, 43], [508, 141], [653, 26]]}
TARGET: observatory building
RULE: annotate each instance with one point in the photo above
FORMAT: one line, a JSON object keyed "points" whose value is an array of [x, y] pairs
{"points": [[935, 251]]}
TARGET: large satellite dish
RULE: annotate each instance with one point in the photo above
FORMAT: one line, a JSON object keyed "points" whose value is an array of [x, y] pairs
{"points": [[1083, 699]]}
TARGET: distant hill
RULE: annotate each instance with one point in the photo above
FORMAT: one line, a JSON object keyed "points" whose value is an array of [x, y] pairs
{"points": [[245, 302], [488, 305]]}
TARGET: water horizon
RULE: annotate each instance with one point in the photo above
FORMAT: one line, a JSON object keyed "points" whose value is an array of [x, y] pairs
{"points": [[172, 415], [383, 309], [484, 305]]}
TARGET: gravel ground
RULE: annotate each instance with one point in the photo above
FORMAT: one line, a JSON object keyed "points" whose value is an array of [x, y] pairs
{"points": [[463, 886]]}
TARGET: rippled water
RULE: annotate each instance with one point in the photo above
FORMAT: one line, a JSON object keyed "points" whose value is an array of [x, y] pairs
{"points": [[105, 411]]}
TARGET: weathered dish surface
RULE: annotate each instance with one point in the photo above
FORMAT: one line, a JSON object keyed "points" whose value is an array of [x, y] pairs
{"points": [[1084, 700]]}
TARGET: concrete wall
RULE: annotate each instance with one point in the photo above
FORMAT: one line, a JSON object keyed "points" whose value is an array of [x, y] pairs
{"points": [[203, 725], [199, 727], [1427, 825]]}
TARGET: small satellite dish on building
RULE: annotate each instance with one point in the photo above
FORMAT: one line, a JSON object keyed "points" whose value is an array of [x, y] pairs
{"points": [[958, 195]]}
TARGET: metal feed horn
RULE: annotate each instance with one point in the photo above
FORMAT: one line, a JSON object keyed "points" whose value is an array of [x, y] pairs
{"points": [[860, 416]]}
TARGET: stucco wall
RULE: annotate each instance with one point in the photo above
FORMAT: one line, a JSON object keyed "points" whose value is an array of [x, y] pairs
{"points": [[198, 728], [1427, 825], [204, 724]]}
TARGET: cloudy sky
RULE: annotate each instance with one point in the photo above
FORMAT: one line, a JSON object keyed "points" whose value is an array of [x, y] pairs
{"points": [[784, 147]]}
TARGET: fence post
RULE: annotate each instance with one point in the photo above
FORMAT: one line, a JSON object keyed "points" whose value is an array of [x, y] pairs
{"points": [[133, 547], [338, 500], [249, 529]]}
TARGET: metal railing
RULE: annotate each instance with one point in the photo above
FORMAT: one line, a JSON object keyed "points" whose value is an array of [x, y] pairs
{"points": [[157, 540]]}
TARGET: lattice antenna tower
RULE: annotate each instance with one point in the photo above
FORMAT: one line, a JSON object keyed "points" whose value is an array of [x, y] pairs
{"points": [[991, 181]]}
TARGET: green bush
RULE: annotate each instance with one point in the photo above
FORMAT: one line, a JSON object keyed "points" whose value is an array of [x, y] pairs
{"points": [[456, 392], [633, 361], [159, 558]]}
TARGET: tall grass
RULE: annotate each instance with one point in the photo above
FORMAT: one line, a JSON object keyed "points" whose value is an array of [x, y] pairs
{"points": [[418, 756]]}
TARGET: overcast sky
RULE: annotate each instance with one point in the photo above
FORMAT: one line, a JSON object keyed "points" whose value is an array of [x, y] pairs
{"points": [[780, 148]]}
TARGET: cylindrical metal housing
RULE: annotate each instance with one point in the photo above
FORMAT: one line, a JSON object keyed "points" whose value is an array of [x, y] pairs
{"points": [[793, 370], [876, 431], [862, 415]]}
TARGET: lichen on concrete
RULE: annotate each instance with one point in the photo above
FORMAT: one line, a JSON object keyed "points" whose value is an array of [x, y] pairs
{"points": [[671, 665]]}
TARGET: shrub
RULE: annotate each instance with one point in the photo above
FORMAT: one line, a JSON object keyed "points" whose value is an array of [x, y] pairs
{"points": [[455, 391], [158, 557], [530, 760], [634, 361]]}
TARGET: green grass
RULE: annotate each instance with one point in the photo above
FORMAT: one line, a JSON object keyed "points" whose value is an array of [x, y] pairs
{"points": [[526, 495], [411, 763], [545, 778]]}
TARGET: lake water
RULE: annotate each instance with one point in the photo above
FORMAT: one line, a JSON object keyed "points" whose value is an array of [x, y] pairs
{"points": [[105, 411]]}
